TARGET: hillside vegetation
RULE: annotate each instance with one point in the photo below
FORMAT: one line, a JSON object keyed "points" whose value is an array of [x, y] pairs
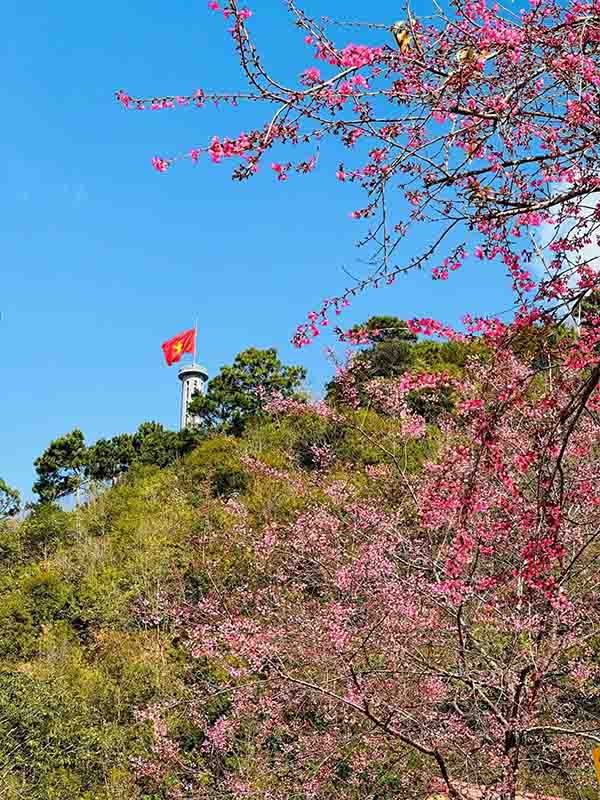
{"points": [[339, 601], [86, 639]]}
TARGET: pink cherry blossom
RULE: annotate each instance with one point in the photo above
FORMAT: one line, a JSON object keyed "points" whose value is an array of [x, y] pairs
{"points": [[436, 602], [311, 76], [160, 164]]}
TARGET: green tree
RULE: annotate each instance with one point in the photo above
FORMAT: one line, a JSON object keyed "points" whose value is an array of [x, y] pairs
{"points": [[539, 345], [153, 444], [239, 391], [109, 458], [390, 355], [10, 501], [61, 467], [586, 311], [45, 526], [396, 350], [385, 359], [385, 329]]}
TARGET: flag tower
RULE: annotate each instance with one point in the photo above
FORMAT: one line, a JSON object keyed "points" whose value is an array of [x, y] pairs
{"points": [[193, 379]]}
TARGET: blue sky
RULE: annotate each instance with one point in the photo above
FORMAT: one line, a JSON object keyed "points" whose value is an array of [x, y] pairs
{"points": [[103, 258]]}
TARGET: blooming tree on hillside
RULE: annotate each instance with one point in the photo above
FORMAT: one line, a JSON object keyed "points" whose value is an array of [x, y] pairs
{"points": [[449, 636], [443, 638]]}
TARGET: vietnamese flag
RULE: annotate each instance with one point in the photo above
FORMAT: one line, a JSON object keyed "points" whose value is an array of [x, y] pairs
{"points": [[182, 343]]}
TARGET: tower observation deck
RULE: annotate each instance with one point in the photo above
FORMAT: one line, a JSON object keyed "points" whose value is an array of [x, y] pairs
{"points": [[193, 379]]}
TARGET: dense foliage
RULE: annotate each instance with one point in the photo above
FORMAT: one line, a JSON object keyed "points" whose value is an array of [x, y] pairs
{"points": [[391, 350], [352, 601], [10, 500], [88, 649], [237, 394], [68, 464]]}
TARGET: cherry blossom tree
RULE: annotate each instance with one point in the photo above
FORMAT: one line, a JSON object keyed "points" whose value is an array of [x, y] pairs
{"points": [[442, 638], [447, 637]]}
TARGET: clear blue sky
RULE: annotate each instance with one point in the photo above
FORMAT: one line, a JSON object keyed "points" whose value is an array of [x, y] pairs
{"points": [[103, 258]]}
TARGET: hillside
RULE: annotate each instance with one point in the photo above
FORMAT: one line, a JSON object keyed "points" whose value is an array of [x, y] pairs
{"points": [[275, 615], [87, 642]]}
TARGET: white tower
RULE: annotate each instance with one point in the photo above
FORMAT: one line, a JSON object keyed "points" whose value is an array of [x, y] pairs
{"points": [[193, 381]]}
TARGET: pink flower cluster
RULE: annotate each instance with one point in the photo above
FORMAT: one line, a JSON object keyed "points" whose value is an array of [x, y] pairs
{"points": [[229, 148], [431, 327], [160, 164], [357, 55], [311, 76], [290, 406], [242, 14]]}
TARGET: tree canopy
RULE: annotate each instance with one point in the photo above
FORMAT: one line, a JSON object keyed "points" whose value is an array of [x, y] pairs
{"points": [[10, 501], [390, 350], [68, 463], [240, 390], [382, 329], [61, 467]]}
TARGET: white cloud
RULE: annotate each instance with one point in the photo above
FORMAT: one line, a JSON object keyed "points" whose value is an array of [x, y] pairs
{"points": [[586, 227]]}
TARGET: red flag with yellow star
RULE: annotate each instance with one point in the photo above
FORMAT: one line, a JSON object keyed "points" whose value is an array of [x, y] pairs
{"points": [[182, 343]]}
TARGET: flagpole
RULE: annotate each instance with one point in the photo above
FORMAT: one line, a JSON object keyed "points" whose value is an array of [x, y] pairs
{"points": [[195, 340]]}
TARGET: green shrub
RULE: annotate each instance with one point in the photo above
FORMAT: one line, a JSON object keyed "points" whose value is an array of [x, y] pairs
{"points": [[228, 480], [46, 526]]}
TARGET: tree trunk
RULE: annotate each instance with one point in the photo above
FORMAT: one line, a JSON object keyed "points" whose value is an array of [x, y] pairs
{"points": [[511, 767]]}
